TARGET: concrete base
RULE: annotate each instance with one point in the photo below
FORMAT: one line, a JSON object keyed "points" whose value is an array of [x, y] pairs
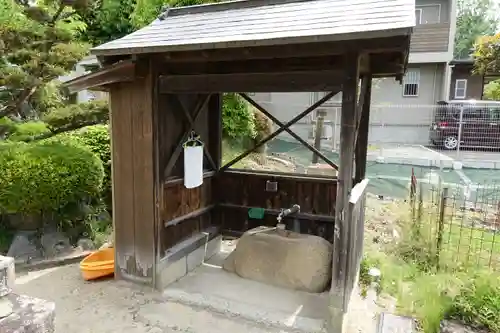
{"points": [[411, 155], [7, 275], [212, 288], [30, 315], [19, 313], [186, 256]]}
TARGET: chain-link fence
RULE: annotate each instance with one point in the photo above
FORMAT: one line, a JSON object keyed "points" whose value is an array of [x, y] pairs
{"points": [[411, 156], [455, 232], [434, 134], [401, 138]]}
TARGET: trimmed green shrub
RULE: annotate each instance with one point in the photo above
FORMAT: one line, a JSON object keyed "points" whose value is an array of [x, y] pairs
{"points": [[98, 140], [23, 131], [238, 120], [48, 175]]}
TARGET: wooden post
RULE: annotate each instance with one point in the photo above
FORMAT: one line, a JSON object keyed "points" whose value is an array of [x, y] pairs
{"points": [[215, 129], [318, 133], [345, 182], [439, 241], [133, 174], [363, 128]]}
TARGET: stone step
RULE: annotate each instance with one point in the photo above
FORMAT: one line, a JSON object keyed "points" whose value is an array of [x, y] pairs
{"points": [[391, 323]]}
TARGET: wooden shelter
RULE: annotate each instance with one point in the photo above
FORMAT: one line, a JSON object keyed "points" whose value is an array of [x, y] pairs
{"points": [[166, 80]]}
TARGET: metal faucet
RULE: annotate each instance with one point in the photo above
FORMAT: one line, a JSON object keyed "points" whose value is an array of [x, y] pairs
{"points": [[285, 212], [281, 226]]}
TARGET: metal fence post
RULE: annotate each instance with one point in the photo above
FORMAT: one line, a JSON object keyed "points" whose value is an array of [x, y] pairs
{"points": [[460, 123], [442, 207]]}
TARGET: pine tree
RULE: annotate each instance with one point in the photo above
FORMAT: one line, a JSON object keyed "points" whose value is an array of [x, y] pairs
{"points": [[37, 45]]}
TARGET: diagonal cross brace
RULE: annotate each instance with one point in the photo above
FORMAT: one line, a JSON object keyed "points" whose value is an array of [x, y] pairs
{"points": [[202, 101], [289, 131], [282, 129]]}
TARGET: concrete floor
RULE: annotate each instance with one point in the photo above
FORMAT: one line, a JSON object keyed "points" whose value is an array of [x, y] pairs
{"points": [[208, 300], [111, 306], [210, 287]]}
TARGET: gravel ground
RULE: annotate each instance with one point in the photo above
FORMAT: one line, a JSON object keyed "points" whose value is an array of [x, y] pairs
{"points": [[99, 307], [117, 306]]}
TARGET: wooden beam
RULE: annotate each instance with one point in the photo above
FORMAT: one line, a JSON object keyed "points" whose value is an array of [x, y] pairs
{"points": [[373, 45], [329, 80], [121, 72], [283, 175], [188, 216], [282, 129], [363, 129], [315, 151], [276, 212], [360, 105], [202, 100], [347, 137], [246, 66]]}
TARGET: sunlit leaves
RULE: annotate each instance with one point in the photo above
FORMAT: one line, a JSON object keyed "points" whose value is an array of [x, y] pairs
{"points": [[475, 18], [486, 54]]}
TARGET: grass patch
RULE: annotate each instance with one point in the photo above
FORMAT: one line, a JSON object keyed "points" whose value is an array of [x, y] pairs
{"points": [[431, 285]]}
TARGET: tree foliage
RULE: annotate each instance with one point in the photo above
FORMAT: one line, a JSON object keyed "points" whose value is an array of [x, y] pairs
{"points": [[38, 43], [492, 91], [107, 20], [238, 121], [475, 18], [487, 54], [146, 11]]}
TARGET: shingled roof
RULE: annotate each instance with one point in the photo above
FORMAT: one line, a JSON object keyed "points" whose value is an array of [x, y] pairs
{"points": [[266, 22]]}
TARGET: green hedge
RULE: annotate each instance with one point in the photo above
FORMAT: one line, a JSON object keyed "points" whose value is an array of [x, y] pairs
{"points": [[97, 139], [48, 175], [23, 131], [238, 120]]}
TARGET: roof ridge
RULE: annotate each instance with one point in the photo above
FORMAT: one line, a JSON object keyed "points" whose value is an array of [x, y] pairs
{"points": [[223, 6]]}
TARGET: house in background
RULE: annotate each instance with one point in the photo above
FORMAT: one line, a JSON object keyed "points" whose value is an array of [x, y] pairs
{"points": [[401, 113], [464, 83], [86, 65]]}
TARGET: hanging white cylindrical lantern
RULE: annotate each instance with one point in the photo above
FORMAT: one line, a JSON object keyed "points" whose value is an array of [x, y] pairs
{"points": [[193, 162]]}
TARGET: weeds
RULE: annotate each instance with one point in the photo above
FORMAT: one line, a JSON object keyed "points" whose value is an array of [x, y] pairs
{"points": [[430, 285]]}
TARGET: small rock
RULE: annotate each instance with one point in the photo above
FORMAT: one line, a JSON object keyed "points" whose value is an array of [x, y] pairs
{"points": [[106, 245], [86, 244], [395, 234], [452, 326], [6, 307], [55, 243], [23, 247]]}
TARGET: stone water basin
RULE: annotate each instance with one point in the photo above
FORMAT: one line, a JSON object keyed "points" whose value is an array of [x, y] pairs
{"points": [[282, 258]]}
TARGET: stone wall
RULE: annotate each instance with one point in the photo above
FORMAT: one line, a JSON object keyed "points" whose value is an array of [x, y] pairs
{"points": [[20, 313]]}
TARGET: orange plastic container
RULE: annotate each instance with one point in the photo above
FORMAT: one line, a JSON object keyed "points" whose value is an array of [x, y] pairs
{"points": [[98, 264]]}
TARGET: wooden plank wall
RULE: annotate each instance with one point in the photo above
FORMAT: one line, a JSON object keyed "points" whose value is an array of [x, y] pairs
{"points": [[430, 38], [133, 179], [238, 191], [184, 212]]}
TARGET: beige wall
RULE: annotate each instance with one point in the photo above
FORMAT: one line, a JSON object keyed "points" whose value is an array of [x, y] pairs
{"points": [[394, 118]]}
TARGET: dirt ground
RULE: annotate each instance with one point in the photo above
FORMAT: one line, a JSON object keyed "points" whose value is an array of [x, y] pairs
{"points": [[117, 306]]}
